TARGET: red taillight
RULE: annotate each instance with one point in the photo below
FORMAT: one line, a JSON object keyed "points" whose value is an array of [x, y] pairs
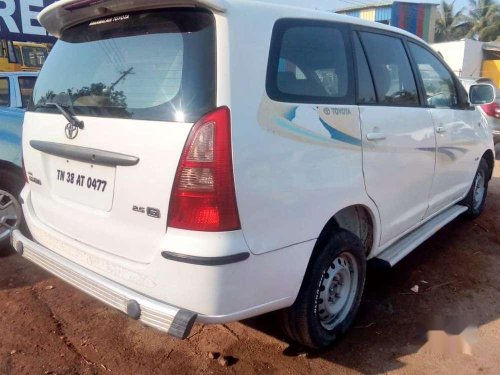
{"points": [[492, 109], [24, 173], [203, 196]]}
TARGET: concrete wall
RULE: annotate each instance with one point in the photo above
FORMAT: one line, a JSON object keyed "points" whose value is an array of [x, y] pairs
{"points": [[491, 69], [465, 57], [453, 53]]}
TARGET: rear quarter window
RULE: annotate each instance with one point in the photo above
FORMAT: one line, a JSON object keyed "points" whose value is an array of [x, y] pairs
{"points": [[310, 63]]}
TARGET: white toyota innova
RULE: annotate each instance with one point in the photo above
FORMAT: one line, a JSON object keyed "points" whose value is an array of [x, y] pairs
{"points": [[213, 160]]}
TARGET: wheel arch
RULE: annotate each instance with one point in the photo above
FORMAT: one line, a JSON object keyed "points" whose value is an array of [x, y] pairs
{"points": [[490, 159], [358, 219], [11, 167]]}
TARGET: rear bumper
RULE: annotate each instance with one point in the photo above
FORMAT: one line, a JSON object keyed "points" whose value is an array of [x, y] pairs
{"points": [[221, 288], [177, 322]]}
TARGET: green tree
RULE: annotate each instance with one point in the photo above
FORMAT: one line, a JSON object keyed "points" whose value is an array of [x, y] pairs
{"points": [[449, 23], [483, 21]]}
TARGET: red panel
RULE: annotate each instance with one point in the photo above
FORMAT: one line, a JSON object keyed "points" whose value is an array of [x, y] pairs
{"points": [[420, 20], [402, 15]]}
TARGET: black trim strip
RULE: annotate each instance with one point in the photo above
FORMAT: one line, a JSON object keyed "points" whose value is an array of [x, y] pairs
{"points": [[85, 154], [205, 261], [182, 324]]}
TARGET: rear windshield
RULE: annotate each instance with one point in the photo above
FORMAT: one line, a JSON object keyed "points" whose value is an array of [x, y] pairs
{"points": [[156, 66]]}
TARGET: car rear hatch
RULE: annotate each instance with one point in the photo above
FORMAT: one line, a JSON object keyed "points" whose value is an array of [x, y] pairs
{"points": [[138, 81]]}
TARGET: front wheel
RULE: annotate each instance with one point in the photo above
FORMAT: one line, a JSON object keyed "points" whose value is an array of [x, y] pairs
{"points": [[330, 294], [476, 198]]}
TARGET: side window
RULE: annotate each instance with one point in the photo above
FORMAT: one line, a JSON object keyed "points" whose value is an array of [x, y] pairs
{"points": [[309, 64], [26, 85], [4, 92], [19, 55], [391, 69], [366, 91], [438, 83]]}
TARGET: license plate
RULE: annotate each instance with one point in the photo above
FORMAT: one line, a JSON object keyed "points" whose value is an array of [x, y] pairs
{"points": [[83, 183]]}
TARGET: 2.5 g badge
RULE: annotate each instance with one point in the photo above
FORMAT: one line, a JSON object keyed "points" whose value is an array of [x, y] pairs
{"points": [[150, 211]]}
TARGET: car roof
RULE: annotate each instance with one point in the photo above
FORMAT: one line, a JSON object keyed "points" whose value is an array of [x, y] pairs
{"points": [[30, 44], [16, 74], [66, 13]]}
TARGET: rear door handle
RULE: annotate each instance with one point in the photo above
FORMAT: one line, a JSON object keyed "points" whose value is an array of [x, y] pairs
{"points": [[440, 130], [375, 136]]}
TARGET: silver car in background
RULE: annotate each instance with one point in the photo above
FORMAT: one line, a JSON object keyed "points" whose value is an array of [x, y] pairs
{"points": [[490, 111]]}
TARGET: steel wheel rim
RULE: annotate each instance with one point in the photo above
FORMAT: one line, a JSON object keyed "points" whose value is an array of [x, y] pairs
{"points": [[10, 214], [479, 190], [337, 291]]}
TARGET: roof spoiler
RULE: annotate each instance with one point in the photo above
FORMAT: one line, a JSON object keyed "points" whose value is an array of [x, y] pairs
{"points": [[66, 13]]}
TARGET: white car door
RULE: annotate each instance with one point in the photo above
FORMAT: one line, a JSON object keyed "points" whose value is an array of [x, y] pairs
{"points": [[398, 135], [455, 131]]}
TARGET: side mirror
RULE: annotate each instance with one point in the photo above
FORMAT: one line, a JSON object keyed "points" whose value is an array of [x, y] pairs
{"points": [[482, 93]]}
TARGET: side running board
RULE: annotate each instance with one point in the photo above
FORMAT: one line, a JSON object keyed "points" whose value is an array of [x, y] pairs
{"points": [[394, 253]]}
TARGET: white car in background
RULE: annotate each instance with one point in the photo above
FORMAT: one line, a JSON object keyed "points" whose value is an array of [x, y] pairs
{"points": [[185, 169]]}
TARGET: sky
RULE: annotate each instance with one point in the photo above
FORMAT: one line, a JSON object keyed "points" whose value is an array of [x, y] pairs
{"points": [[337, 4]]}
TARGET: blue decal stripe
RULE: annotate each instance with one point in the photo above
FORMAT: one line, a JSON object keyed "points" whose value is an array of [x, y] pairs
{"points": [[291, 114], [340, 136], [303, 132]]}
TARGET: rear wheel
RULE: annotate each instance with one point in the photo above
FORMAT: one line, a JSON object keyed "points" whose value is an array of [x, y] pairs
{"points": [[330, 294], [476, 198], [11, 217]]}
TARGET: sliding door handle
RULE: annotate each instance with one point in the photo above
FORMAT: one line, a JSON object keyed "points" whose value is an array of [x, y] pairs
{"points": [[375, 136], [440, 130]]}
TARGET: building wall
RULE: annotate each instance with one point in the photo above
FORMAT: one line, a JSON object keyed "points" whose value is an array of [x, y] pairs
{"points": [[383, 14], [464, 57], [417, 18], [352, 13], [491, 69], [367, 14]]}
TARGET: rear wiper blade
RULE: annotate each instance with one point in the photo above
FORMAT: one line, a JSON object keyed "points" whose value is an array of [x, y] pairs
{"points": [[71, 118]]}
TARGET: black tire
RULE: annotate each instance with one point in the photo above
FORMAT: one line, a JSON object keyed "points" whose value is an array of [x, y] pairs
{"points": [[12, 183], [303, 321], [475, 207]]}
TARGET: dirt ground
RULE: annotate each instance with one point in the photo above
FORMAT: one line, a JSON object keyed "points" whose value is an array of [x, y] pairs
{"points": [[452, 325]]}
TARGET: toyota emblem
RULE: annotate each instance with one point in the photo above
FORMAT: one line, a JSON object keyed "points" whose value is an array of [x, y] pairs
{"points": [[71, 131]]}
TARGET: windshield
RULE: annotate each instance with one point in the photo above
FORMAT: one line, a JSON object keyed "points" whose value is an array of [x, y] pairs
{"points": [[19, 55], [34, 56], [26, 85], [148, 66]]}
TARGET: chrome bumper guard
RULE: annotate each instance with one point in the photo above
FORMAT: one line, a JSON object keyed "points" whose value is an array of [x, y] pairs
{"points": [[175, 321]]}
